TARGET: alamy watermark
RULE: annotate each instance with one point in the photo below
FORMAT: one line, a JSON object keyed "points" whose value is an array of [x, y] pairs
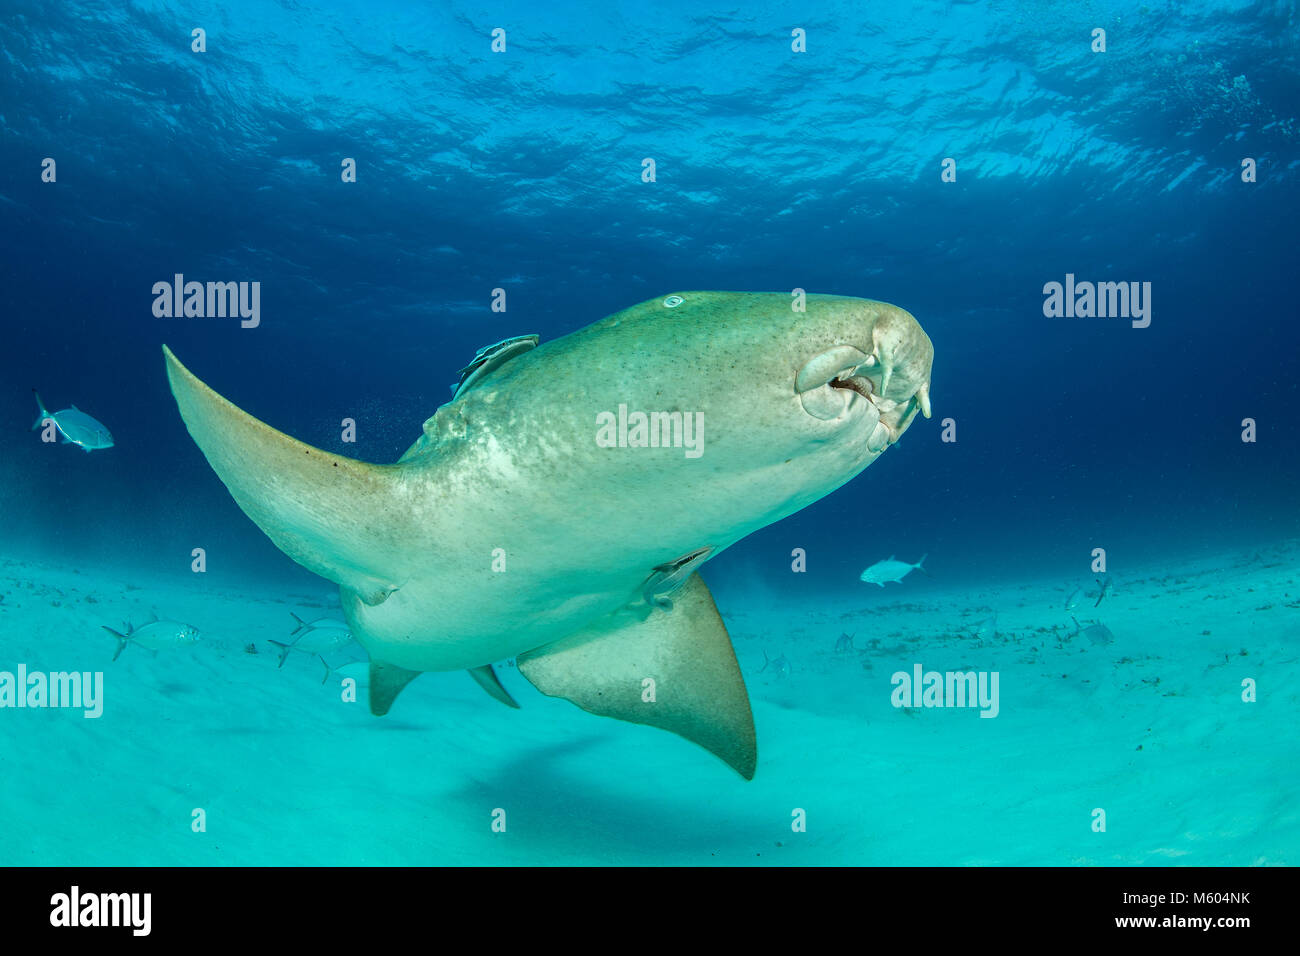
{"points": [[71, 689], [75, 908], [923, 688], [211, 300], [1103, 300], [651, 430]]}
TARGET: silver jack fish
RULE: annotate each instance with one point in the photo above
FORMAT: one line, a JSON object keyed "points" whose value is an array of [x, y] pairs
{"points": [[76, 427], [156, 636], [891, 571]]}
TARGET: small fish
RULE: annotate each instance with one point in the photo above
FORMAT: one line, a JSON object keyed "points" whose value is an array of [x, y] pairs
{"points": [[359, 671], [1072, 601], [156, 636], [490, 357], [668, 577], [986, 629], [780, 665], [76, 427], [891, 570], [1099, 634], [321, 623], [844, 643], [1105, 589], [318, 641], [1096, 633]]}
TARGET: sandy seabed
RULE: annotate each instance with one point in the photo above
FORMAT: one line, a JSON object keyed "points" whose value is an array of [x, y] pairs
{"points": [[1152, 730]]}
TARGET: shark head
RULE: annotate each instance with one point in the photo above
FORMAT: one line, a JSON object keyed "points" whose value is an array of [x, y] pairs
{"points": [[774, 408], [558, 508], [842, 381]]}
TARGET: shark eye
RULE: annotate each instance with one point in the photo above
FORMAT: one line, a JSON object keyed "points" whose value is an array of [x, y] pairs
{"points": [[673, 301]]}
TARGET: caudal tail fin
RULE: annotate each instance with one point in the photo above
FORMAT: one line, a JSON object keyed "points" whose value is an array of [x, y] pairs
{"points": [[328, 670], [284, 650], [345, 520], [41, 417], [121, 640], [919, 565], [302, 625]]}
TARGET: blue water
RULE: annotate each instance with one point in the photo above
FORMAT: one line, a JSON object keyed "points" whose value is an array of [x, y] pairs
{"points": [[775, 170]]}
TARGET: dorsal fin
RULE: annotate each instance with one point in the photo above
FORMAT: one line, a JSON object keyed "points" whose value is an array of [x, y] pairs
{"points": [[698, 691]]}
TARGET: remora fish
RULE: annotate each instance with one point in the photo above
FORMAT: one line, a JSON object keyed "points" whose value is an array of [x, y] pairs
{"points": [[76, 427], [156, 636], [600, 537], [890, 570]]}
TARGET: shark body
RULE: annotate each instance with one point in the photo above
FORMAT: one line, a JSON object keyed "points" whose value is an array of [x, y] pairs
{"points": [[513, 527]]}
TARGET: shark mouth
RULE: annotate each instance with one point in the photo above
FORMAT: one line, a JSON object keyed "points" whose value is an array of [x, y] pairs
{"points": [[857, 383], [832, 382]]}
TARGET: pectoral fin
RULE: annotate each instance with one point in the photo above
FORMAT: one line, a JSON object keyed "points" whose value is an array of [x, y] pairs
{"points": [[696, 692], [488, 680], [386, 682]]}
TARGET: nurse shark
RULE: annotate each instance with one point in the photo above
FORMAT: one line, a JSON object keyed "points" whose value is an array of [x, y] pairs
{"points": [[515, 527]]}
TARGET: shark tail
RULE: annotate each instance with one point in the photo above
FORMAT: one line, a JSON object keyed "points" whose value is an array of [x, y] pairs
{"points": [[122, 640], [284, 650], [342, 519]]}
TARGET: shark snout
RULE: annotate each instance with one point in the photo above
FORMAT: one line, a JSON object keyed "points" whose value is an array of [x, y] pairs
{"points": [[889, 372], [899, 370]]}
